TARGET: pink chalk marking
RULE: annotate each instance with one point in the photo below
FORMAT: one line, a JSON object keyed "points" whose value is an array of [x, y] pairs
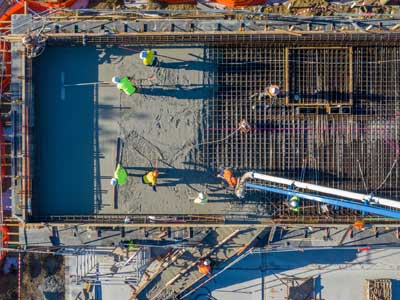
{"points": [[304, 129]]}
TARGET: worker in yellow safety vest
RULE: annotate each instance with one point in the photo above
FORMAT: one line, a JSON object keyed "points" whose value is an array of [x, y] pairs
{"points": [[294, 203], [120, 176], [150, 178], [149, 57], [125, 85]]}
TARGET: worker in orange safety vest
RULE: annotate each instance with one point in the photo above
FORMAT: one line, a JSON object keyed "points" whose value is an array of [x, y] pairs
{"points": [[204, 266], [228, 177], [359, 225]]}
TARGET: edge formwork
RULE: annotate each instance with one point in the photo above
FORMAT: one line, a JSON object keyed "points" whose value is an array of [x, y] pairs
{"points": [[229, 41]]}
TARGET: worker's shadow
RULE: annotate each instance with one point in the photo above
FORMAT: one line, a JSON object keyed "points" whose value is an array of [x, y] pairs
{"points": [[112, 55], [169, 177], [185, 65], [179, 92]]}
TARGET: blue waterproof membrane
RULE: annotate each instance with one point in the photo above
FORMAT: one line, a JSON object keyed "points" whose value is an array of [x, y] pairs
{"points": [[63, 180]]}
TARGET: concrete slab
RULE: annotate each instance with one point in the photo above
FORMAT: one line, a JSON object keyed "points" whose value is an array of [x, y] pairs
{"points": [[159, 127]]}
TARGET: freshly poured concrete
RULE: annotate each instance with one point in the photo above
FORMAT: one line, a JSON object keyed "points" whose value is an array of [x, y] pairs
{"points": [[159, 126], [63, 162]]}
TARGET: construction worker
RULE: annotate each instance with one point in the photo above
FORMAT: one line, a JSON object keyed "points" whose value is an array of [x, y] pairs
{"points": [[204, 266], [149, 57], [120, 176], [124, 84], [273, 90], [34, 44], [228, 177], [202, 198], [150, 178], [294, 203], [359, 225]]}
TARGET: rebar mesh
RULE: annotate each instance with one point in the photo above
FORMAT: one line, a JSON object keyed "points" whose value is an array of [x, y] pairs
{"points": [[318, 76], [354, 149]]}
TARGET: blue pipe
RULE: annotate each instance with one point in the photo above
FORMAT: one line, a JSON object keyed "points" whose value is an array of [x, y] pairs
{"points": [[365, 208]]}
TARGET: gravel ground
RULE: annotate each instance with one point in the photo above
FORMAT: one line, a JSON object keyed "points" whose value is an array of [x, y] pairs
{"points": [[43, 277]]}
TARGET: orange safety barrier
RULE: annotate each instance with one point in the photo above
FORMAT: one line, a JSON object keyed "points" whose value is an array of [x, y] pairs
{"points": [[240, 3], [4, 234], [178, 1], [4, 50], [4, 241]]}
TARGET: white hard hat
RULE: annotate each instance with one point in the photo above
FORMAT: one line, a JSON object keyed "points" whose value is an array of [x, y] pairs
{"points": [[113, 181], [202, 196], [294, 202], [27, 39], [206, 262], [274, 90], [143, 54], [116, 79]]}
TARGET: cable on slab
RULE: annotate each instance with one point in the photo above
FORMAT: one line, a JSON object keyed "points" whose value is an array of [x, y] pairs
{"points": [[362, 177], [244, 127], [387, 176]]}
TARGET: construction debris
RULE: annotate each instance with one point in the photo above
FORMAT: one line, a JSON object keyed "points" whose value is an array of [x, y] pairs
{"points": [[378, 289]]}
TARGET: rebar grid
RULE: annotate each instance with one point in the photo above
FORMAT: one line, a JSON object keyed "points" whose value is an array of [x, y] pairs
{"points": [[318, 76], [357, 150]]}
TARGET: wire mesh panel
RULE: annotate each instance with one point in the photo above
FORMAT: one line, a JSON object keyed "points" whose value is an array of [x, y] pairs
{"points": [[318, 76], [358, 150]]}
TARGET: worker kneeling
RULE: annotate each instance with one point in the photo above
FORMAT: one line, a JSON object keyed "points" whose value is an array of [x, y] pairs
{"points": [[125, 85], [149, 57], [204, 266], [150, 178], [120, 176]]}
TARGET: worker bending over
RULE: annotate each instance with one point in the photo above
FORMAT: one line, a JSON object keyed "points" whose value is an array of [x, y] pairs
{"points": [[204, 266], [124, 84], [228, 178], [202, 198], [120, 176], [273, 90], [149, 57], [150, 178]]}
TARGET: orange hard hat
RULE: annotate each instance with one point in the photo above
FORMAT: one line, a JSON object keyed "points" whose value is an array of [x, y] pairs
{"points": [[155, 173], [234, 180]]}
